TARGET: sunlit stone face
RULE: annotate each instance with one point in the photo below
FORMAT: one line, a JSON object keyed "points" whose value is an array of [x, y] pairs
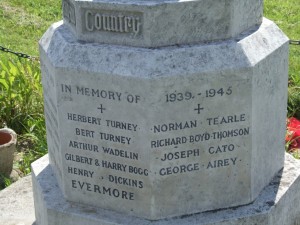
{"points": [[140, 130]]}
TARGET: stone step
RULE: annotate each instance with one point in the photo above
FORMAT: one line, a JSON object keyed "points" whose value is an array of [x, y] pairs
{"points": [[16, 203]]}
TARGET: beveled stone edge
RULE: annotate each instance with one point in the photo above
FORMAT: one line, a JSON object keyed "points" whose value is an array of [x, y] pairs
{"points": [[54, 205], [246, 58]]}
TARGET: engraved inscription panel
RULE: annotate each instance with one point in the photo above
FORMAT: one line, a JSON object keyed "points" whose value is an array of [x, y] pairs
{"points": [[155, 142], [129, 23]]}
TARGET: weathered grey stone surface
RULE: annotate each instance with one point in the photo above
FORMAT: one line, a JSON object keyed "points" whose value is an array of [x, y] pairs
{"points": [[277, 204], [17, 208], [138, 130], [157, 23], [16, 203]]}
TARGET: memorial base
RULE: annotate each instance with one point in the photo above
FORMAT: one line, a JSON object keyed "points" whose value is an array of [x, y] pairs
{"points": [[277, 204]]}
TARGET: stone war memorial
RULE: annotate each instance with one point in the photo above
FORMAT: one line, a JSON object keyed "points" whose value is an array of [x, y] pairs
{"points": [[164, 112]]}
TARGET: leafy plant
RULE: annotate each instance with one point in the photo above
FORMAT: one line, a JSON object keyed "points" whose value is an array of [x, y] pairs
{"points": [[22, 107], [4, 181], [33, 145], [21, 94], [294, 101]]}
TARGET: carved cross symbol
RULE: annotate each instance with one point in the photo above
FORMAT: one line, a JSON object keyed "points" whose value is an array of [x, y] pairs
{"points": [[199, 108], [101, 108]]}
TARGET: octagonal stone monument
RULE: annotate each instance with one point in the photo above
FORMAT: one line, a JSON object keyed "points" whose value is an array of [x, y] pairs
{"points": [[158, 109]]}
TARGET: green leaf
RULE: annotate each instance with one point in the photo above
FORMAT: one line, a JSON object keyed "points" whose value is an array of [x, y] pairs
{"points": [[3, 82]]}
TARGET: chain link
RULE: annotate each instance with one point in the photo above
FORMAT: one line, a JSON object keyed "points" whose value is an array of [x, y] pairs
{"points": [[295, 42], [19, 54]]}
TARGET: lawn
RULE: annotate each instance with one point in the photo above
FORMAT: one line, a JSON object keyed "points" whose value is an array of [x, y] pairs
{"points": [[23, 22], [286, 14]]}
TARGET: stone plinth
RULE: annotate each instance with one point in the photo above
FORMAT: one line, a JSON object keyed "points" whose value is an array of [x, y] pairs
{"points": [[139, 130], [158, 23], [277, 204], [16, 203]]}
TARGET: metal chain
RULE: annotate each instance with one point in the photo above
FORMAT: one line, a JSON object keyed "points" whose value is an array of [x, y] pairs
{"points": [[19, 54], [295, 42]]}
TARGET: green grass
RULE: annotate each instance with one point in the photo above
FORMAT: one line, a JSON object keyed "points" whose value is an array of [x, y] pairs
{"points": [[23, 22], [285, 13]]}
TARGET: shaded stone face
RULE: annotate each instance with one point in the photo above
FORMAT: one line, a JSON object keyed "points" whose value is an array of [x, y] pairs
{"points": [[160, 23], [165, 132]]}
